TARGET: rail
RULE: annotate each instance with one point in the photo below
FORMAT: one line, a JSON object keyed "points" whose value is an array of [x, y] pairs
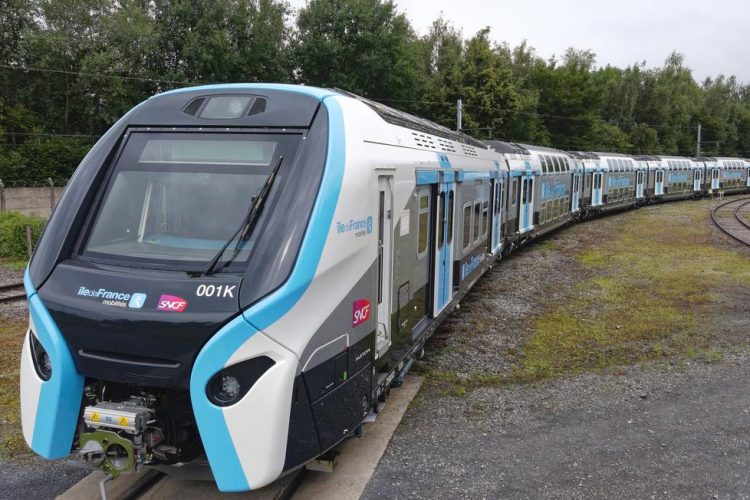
{"points": [[734, 225], [12, 292]]}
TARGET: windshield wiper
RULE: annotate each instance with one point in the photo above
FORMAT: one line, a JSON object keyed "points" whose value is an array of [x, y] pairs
{"points": [[248, 223]]}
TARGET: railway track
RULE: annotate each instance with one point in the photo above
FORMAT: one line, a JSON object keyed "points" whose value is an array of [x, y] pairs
{"points": [[12, 292], [728, 218]]}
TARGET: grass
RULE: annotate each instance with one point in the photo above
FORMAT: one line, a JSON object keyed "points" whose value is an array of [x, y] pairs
{"points": [[12, 444], [450, 383], [652, 285]]}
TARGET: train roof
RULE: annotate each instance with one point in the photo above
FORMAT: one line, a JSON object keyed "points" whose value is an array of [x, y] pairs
{"points": [[647, 157], [402, 119], [545, 149], [584, 155], [599, 154], [506, 147]]}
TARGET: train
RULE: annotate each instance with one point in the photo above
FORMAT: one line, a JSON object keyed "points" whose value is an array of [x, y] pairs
{"points": [[237, 275]]}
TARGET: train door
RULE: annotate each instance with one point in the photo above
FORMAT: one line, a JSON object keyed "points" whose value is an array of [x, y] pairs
{"points": [[443, 248], [526, 210], [576, 193], [497, 196], [659, 183], [715, 178], [747, 174], [596, 189], [385, 251], [697, 179], [639, 184]]}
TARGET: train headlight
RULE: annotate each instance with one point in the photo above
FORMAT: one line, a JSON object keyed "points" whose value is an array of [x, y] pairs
{"points": [[229, 385], [225, 389], [42, 362]]}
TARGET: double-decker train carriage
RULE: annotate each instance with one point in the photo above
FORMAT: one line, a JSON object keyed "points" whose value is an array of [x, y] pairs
{"points": [[733, 176], [238, 274], [242, 271]]}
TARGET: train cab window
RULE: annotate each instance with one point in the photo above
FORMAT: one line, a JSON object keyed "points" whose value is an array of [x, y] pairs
{"points": [[423, 225], [477, 221], [167, 190], [450, 217], [467, 226]]}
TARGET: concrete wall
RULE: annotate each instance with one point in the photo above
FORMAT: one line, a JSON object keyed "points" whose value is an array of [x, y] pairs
{"points": [[37, 201]]}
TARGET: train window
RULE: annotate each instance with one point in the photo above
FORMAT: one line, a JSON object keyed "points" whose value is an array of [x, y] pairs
{"points": [[543, 161], [609, 164], [514, 192], [523, 188], [450, 217], [441, 220], [167, 190], [467, 225], [485, 217], [556, 162], [477, 221], [531, 189], [423, 222]]}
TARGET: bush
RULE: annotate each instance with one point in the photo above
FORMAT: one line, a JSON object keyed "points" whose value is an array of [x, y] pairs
{"points": [[13, 234]]}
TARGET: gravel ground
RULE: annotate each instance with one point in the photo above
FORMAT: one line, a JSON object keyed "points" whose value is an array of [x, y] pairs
{"points": [[663, 432], [12, 311], [37, 478]]}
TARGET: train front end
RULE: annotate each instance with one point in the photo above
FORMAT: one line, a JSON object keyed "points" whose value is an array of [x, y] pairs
{"points": [[196, 222]]}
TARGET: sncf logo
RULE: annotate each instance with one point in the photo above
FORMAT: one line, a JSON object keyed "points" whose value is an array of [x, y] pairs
{"points": [[171, 303], [360, 311]]}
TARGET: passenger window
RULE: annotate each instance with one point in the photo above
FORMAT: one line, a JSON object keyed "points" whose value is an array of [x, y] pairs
{"points": [[543, 161], [477, 221], [514, 192], [485, 217], [525, 183], [467, 225], [450, 217], [441, 219], [423, 221]]}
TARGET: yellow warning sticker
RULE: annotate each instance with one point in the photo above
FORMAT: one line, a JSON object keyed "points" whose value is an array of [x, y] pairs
{"points": [[123, 420], [94, 417]]}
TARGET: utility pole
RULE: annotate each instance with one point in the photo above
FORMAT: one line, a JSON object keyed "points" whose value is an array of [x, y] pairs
{"points": [[698, 144], [459, 117]]}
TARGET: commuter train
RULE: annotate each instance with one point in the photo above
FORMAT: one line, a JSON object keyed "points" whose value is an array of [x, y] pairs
{"points": [[236, 275]]}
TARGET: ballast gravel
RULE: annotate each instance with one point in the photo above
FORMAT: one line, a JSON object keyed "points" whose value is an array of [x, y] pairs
{"points": [[662, 431]]}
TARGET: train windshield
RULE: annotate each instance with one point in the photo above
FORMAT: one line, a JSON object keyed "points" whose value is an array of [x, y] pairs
{"points": [[174, 200]]}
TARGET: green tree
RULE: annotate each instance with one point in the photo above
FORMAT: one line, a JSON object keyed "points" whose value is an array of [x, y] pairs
{"points": [[364, 46]]}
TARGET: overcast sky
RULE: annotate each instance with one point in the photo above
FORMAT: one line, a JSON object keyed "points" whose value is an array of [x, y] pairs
{"points": [[714, 35]]}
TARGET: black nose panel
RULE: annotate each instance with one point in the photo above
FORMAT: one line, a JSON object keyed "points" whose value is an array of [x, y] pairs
{"points": [[140, 327]]}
